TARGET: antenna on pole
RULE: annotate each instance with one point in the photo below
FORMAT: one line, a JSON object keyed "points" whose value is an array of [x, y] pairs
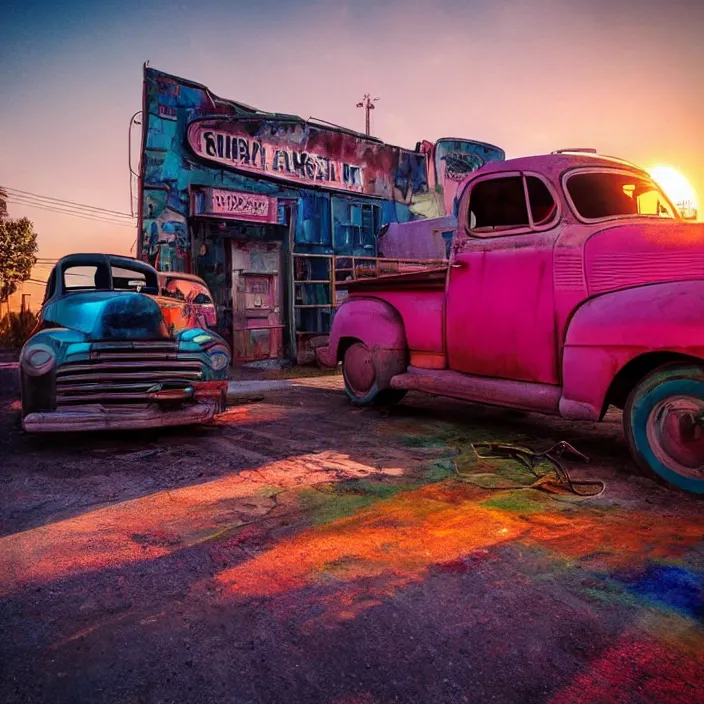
{"points": [[368, 105]]}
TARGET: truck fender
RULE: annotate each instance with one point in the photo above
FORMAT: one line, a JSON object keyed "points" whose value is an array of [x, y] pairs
{"points": [[607, 332], [374, 322]]}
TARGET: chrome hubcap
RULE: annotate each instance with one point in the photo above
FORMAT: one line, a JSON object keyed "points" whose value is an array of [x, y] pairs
{"points": [[676, 435], [359, 369]]}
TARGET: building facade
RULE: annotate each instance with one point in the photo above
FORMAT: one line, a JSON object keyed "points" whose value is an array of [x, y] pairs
{"points": [[274, 211]]}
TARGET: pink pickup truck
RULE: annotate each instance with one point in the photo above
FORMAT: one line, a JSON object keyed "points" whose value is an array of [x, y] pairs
{"points": [[572, 285]]}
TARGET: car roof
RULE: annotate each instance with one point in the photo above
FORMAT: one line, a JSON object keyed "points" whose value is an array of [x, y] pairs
{"points": [[93, 258], [554, 164]]}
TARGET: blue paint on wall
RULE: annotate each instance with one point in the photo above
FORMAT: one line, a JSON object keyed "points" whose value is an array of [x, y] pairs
{"points": [[313, 223]]}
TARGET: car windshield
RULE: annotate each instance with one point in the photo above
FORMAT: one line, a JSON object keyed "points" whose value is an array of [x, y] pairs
{"points": [[609, 194]]}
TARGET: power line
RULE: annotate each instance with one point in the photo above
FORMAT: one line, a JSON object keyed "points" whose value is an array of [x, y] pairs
{"points": [[59, 201], [46, 205], [74, 213]]}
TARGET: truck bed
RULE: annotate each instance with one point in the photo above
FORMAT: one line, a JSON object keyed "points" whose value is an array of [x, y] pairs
{"points": [[425, 279], [419, 298]]}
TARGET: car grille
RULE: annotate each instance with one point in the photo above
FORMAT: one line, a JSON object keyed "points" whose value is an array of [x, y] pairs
{"points": [[125, 372]]}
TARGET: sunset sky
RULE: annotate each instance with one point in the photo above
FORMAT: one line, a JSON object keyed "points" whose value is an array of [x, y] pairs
{"points": [[622, 76]]}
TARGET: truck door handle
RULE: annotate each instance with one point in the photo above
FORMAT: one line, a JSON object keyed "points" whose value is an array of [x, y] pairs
{"points": [[458, 265]]}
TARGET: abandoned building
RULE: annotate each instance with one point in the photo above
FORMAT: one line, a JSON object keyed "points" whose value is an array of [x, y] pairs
{"points": [[275, 212]]}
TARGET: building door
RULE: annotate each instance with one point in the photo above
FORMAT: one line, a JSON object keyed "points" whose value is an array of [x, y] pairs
{"points": [[257, 320]]}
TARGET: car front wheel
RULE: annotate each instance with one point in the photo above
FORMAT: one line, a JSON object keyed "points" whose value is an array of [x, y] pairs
{"points": [[664, 425]]}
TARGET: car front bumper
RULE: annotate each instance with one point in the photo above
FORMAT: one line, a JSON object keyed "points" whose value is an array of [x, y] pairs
{"points": [[208, 399]]}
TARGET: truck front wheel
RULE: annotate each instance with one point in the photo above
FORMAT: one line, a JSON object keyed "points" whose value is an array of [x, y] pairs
{"points": [[664, 425], [368, 374]]}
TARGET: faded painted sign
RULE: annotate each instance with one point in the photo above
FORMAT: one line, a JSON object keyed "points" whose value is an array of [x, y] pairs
{"points": [[297, 152], [241, 206]]}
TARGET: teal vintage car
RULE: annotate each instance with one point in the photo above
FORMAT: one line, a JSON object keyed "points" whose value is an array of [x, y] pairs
{"points": [[102, 356]]}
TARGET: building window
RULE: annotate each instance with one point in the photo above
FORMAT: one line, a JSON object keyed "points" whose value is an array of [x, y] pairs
{"points": [[313, 221], [369, 218], [357, 225]]}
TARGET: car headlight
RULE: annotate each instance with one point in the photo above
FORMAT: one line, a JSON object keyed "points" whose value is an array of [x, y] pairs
{"points": [[38, 360], [218, 357]]}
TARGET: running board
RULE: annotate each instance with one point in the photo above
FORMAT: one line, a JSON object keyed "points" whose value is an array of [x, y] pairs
{"points": [[524, 395]]}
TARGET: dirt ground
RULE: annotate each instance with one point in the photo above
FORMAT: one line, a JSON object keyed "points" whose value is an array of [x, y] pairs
{"points": [[302, 550]]}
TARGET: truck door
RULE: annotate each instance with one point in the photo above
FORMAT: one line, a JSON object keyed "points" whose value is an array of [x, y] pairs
{"points": [[500, 313]]}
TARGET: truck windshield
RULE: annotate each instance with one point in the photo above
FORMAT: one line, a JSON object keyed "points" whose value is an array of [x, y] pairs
{"points": [[609, 194]]}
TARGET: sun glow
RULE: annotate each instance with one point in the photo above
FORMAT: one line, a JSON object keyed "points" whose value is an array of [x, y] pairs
{"points": [[676, 187]]}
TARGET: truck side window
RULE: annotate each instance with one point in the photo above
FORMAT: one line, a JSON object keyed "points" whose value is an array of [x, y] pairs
{"points": [[498, 204], [542, 205]]}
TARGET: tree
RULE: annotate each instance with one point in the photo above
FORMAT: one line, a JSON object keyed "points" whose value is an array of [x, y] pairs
{"points": [[18, 245]]}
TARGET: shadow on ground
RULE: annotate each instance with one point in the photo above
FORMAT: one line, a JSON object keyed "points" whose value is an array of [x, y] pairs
{"points": [[300, 550]]}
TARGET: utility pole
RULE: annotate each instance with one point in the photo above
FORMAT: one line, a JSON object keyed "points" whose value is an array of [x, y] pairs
{"points": [[368, 105]]}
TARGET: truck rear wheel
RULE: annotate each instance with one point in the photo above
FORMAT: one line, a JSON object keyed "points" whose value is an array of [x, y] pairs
{"points": [[664, 425], [367, 376]]}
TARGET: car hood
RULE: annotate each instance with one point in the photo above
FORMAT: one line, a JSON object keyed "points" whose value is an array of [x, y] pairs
{"points": [[108, 315], [641, 253]]}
